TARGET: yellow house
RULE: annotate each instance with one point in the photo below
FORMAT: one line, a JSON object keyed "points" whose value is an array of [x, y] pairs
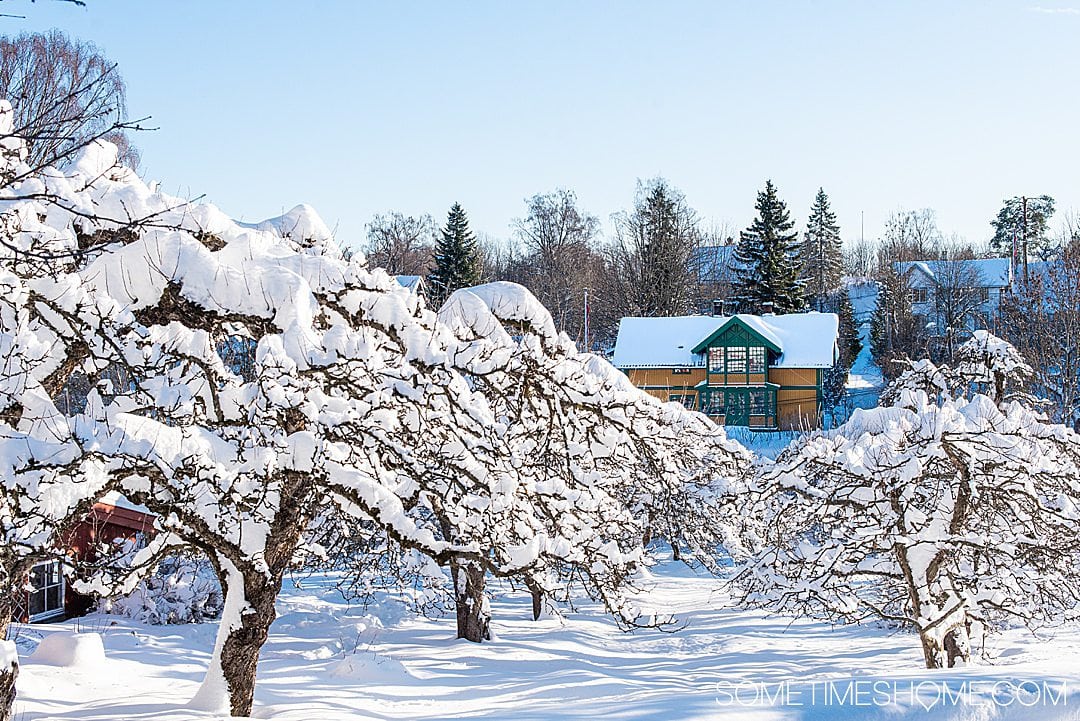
{"points": [[762, 371]]}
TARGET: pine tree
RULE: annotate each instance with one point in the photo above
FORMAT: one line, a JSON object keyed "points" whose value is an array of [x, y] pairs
{"points": [[768, 268], [820, 254], [457, 258], [1020, 220]]}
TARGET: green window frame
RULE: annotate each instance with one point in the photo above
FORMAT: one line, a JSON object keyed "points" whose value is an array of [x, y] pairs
{"points": [[716, 360], [757, 359], [712, 403], [736, 360]]}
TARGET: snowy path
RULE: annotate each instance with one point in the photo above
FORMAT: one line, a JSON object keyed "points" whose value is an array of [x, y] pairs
{"points": [[580, 667], [865, 381]]}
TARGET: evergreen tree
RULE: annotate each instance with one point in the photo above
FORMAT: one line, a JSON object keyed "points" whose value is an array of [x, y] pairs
{"points": [[820, 254], [766, 256], [457, 258], [895, 332], [848, 344], [1023, 219]]}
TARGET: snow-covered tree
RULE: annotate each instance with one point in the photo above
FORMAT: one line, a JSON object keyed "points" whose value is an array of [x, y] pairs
{"points": [[588, 463], [53, 329], [950, 513], [263, 377], [1042, 318]]}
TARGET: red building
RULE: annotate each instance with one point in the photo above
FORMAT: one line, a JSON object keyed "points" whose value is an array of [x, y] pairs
{"points": [[112, 519]]}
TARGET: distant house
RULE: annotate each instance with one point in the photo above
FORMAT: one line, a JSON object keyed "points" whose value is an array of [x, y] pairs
{"points": [[415, 283], [716, 270], [974, 287], [762, 371], [47, 596]]}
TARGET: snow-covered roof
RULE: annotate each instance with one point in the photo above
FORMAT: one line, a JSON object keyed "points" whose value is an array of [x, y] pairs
{"points": [[805, 340], [992, 272], [715, 262], [117, 500], [415, 283]]}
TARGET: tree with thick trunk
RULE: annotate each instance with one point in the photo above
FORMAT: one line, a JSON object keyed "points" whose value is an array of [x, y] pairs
{"points": [[929, 512]]}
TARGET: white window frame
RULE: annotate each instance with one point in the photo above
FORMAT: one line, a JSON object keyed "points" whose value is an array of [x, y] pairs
{"points": [[44, 591]]}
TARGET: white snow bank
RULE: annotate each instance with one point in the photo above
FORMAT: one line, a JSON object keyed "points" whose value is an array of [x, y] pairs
{"points": [[70, 650], [372, 668]]}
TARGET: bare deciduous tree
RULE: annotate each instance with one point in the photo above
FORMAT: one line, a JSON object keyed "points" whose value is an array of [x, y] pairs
{"points": [[653, 259], [64, 91], [401, 244], [557, 237]]}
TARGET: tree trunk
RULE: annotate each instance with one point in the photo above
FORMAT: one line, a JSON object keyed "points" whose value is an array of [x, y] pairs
{"points": [[473, 614], [933, 653], [9, 658], [537, 598], [245, 625], [957, 646], [676, 554]]}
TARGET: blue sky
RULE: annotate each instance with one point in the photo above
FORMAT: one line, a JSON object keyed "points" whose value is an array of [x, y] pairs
{"points": [[360, 108]]}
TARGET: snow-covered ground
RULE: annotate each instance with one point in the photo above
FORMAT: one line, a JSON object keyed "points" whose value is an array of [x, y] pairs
{"points": [[865, 381], [326, 660]]}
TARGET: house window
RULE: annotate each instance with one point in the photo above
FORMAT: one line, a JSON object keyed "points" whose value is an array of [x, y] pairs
{"points": [[757, 359], [983, 294], [736, 360], [716, 360], [713, 404], [758, 404], [47, 597], [920, 295]]}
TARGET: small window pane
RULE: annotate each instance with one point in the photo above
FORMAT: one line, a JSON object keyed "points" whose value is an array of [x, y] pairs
{"points": [[736, 360], [37, 602], [716, 360], [757, 360], [713, 404]]}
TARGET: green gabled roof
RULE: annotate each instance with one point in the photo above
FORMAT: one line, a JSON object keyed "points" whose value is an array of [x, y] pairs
{"points": [[735, 321]]}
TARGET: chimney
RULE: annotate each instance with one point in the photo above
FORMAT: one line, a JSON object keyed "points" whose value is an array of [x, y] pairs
{"points": [[718, 306], [767, 307]]}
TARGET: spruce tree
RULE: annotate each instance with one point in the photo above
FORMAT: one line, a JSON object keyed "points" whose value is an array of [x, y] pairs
{"points": [[820, 255], [848, 344], [767, 260], [457, 258]]}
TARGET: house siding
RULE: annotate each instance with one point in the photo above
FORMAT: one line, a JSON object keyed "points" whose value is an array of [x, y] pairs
{"points": [[716, 377]]}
